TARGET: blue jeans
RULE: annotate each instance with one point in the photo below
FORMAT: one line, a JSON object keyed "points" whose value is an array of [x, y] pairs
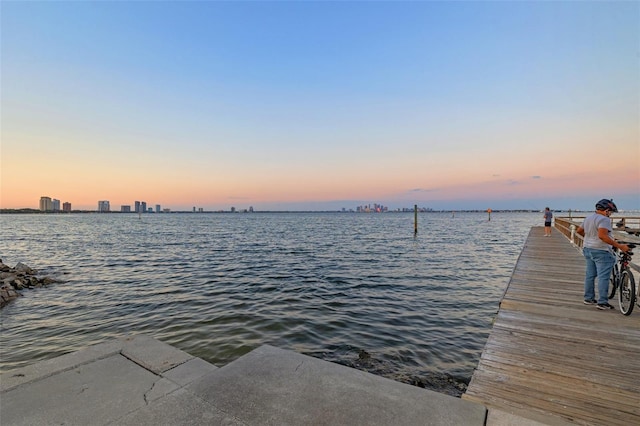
{"points": [[599, 264]]}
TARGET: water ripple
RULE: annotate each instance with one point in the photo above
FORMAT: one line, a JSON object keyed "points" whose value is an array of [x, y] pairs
{"points": [[356, 289]]}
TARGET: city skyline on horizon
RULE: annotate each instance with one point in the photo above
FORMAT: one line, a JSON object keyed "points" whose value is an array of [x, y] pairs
{"points": [[566, 204], [318, 106]]}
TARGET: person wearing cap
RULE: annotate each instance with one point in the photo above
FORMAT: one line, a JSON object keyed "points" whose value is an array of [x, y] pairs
{"points": [[597, 250]]}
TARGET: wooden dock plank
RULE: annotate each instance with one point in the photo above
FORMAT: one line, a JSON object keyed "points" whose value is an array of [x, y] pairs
{"points": [[550, 355]]}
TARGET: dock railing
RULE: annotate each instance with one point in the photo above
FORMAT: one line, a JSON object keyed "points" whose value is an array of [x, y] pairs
{"points": [[625, 228]]}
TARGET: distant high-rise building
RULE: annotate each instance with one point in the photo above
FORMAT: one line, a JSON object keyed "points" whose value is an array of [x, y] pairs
{"points": [[103, 206], [46, 205], [66, 207], [194, 209], [125, 209], [143, 206], [55, 205], [158, 208], [137, 204]]}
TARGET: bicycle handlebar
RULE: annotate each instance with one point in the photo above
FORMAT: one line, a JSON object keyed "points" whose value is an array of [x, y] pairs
{"points": [[628, 254], [630, 245]]}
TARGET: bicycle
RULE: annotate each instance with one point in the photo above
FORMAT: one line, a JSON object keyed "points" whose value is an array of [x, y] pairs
{"points": [[615, 273], [623, 282]]}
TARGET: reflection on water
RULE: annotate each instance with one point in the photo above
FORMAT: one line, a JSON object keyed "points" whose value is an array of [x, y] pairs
{"points": [[356, 289]]}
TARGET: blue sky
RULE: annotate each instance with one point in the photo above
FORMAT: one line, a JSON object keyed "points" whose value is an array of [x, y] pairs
{"points": [[323, 104]]}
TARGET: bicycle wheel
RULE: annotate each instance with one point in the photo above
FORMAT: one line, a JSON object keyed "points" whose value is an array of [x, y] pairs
{"points": [[627, 292], [613, 281]]}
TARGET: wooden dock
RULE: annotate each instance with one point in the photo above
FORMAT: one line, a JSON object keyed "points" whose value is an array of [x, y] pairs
{"points": [[549, 357]]}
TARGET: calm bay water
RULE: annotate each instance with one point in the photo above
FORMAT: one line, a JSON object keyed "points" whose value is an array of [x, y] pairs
{"points": [[356, 289]]}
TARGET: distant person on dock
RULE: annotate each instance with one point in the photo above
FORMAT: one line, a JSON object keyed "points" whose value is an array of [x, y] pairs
{"points": [[548, 217], [596, 248]]}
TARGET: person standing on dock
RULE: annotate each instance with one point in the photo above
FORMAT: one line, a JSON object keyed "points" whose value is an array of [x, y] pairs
{"points": [[548, 217], [596, 248]]}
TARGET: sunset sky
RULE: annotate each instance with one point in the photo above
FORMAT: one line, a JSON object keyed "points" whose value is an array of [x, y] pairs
{"points": [[321, 105]]}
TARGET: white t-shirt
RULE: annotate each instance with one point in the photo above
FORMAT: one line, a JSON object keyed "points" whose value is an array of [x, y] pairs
{"points": [[591, 225]]}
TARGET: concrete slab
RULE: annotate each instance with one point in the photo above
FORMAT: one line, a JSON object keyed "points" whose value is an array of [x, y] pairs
{"points": [[270, 386], [56, 365], [152, 354], [191, 370], [179, 408], [92, 393], [140, 381], [497, 417]]}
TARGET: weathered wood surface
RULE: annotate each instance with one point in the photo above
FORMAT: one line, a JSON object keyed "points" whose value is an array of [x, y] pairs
{"points": [[551, 357]]}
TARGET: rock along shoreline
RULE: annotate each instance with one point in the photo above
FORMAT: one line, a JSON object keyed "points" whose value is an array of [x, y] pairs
{"points": [[17, 278]]}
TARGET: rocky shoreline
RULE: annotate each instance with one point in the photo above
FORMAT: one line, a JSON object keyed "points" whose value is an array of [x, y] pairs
{"points": [[18, 278]]}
